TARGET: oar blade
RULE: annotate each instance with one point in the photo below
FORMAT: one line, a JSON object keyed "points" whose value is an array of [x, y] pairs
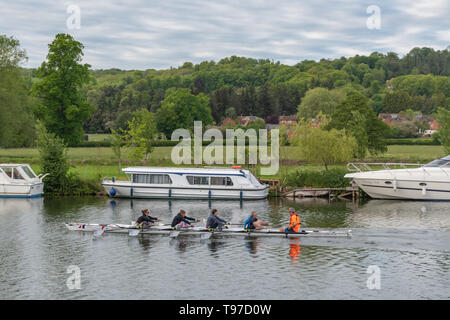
{"points": [[174, 234], [133, 232], [99, 232], [206, 236]]}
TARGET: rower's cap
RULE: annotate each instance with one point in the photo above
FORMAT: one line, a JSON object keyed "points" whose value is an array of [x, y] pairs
{"points": [[291, 210]]}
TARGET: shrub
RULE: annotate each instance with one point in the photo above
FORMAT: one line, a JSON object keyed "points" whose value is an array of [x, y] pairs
{"points": [[331, 178]]}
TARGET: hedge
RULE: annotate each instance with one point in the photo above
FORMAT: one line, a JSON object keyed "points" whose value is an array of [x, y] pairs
{"points": [[413, 141]]}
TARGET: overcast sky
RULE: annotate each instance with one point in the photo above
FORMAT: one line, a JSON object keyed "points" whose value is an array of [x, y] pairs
{"points": [[138, 34]]}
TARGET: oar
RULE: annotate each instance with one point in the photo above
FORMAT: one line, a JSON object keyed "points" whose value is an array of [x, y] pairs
{"points": [[133, 232], [174, 233], [99, 232], [205, 236]]}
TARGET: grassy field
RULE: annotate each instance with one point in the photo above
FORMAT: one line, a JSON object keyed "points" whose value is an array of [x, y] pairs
{"points": [[162, 155], [95, 163]]}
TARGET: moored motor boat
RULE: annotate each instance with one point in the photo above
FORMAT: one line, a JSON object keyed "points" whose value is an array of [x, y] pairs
{"points": [[20, 181], [425, 182], [187, 183]]}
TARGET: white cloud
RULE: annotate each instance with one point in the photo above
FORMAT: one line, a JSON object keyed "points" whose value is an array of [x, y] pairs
{"points": [[140, 34]]}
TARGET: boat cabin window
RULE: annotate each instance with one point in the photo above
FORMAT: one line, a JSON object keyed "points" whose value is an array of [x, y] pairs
{"points": [[445, 163], [198, 180], [29, 172], [152, 178], [221, 181], [214, 181], [17, 175], [8, 172]]}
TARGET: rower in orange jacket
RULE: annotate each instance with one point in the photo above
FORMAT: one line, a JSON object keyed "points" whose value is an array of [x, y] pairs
{"points": [[294, 222]]}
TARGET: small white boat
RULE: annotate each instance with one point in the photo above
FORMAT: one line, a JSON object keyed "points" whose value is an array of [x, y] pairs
{"points": [[187, 183], [425, 182], [20, 181]]}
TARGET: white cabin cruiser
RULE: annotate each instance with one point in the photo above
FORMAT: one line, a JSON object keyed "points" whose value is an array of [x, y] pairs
{"points": [[20, 181], [426, 182], [187, 183]]}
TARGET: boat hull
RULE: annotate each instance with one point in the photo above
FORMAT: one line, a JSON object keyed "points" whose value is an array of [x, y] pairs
{"points": [[198, 231], [21, 190], [404, 189]]}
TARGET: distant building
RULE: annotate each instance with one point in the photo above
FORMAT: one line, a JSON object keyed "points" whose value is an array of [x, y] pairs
{"points": [[393, 119], [271, 126], [288, 120], [245, 120], [389, 118], [228, 121], [434, 125]]}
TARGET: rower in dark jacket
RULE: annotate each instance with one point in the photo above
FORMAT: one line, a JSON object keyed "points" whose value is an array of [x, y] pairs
{"points": [[214, 221], [181, 221], [146, 220]]}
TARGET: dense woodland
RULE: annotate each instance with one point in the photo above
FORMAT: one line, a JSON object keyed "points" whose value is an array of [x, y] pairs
{"points": [[234, 86], [242, 86]]}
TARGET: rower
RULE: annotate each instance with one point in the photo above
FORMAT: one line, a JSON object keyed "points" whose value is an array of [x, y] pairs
{"points": [[294, 222], [182, 221], [214, 221], [145, 221], [252, 222]]}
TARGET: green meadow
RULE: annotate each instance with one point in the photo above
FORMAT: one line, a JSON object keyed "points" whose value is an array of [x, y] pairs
{"points": [[95, 163]]}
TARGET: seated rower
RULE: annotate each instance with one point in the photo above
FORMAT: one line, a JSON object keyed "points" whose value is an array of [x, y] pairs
{"points": [[214, 221], [294, 222], [252, 222], [145, 221], [182, 221]]}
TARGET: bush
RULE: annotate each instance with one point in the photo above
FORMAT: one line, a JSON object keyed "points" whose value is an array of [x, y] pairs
{"points": [[53, 158], [332, 178]]}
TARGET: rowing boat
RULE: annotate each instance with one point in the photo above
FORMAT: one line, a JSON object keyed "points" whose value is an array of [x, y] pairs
{"points": [[230, 231]]}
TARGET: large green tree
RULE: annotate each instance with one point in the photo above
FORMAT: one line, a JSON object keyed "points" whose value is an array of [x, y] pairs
{"points": [[63, 108], [16, 116], [355, 115], [141, 133], [319, 100], [324, 147], [180, 109], [443, 117]]}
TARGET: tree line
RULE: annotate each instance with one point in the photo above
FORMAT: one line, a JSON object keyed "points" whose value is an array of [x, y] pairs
{"points": [[70, 98]]}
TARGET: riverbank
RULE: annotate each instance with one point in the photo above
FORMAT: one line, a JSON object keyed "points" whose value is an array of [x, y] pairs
{"points": [[91, 165]]}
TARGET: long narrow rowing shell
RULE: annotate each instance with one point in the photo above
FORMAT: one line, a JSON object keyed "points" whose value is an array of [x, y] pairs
{"points": [[166, 230]]}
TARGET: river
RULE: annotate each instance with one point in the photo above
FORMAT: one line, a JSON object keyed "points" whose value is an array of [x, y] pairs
{"points": [[399, 250]]}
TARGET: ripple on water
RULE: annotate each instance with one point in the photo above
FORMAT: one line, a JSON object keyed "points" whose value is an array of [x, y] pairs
{"points": [[411, 249]]}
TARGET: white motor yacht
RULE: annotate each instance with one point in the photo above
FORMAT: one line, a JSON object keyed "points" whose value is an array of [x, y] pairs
{"points": [[424, 182]]}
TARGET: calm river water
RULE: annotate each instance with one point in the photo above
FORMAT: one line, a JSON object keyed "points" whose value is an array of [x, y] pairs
{"points": [[408, 241]]}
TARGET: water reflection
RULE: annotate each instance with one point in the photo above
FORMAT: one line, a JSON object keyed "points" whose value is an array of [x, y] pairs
{"points": [[252, 246], [402, 214], [294, 250], [145, 243]]}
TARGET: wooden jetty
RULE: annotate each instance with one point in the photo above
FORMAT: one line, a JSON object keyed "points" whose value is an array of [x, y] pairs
{"points": [[341, 193]]}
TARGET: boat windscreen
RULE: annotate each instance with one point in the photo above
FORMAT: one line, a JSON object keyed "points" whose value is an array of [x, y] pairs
{"points": [[29, 172], [443, 162]]}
